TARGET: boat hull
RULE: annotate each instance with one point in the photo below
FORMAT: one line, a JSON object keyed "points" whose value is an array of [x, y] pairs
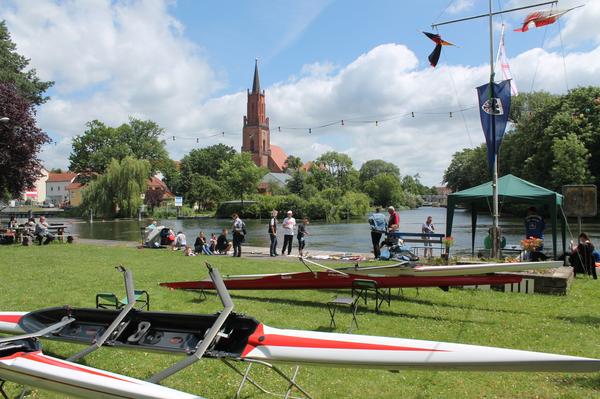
{"points": [[450, 270], [45, 372], [348, 350], [332, 280]]}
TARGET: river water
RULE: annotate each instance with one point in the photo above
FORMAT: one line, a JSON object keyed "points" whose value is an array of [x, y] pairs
{"points": [[346, 236]]}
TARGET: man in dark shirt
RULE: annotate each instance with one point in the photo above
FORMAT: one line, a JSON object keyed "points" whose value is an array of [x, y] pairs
{"points": [[223, 244]]}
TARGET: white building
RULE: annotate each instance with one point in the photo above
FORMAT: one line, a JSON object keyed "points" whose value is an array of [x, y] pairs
{"points": [[37, 193], [56, 187]]}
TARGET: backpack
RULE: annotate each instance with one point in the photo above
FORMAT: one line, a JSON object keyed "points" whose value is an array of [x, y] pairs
{"points": [[244, 229]]}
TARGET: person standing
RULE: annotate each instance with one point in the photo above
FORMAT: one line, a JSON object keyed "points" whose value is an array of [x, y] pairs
{"points": [[427, 228], [378, 227], [238, 235], [302, 233], [394, 220], [273, 233], [288, 232]]}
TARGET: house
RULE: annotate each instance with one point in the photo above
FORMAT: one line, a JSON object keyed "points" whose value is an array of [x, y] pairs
{"points": [[37, 193], [56, 187]]}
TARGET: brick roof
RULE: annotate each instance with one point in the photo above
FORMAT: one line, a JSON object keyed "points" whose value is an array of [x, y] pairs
{"points": [[74, 186], [278, 156], [58, 177]]}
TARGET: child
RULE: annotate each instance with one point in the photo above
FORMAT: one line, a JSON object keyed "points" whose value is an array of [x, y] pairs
{"points": [[188, 251], [302, 233], [213, 242]]}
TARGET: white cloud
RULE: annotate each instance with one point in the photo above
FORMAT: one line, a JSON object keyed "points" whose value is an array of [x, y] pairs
{"points": [[460, 5], [134, 60]]}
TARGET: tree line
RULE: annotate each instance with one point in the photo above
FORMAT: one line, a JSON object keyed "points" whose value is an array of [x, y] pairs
{"points": [[554, 140]]}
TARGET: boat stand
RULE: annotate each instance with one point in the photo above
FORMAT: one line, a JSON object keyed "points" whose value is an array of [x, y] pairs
{"points": [[4, 395], [246, 378]]}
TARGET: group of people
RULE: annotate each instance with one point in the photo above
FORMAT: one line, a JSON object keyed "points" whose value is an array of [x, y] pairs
{"points": [[30, 230], [380, 225], [289, 227]]}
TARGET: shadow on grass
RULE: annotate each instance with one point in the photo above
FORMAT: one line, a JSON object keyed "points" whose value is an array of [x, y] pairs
{"points": [[590, 381], [592, 320], [361, 309], [419, 301]]}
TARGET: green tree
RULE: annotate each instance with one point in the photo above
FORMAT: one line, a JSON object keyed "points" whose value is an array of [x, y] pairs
{"points": [[99, 144], [13, 69], [205, 191], [205, 161], [570, 162], [118, 191], [339, 168], [20, 142], [384, 190], [292, 163], [468, 168], [376, 167], [296, 184], [240, 175]]}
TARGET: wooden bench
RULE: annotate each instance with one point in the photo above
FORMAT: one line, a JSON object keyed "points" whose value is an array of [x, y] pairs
{"points": [[436, 240], [363, 287]]}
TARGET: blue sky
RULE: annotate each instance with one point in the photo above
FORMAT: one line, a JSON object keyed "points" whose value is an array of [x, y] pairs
{"points": [[187, 64]]}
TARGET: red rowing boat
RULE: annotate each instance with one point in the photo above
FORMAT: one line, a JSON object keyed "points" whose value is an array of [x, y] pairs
{"points": [[334, 280]]}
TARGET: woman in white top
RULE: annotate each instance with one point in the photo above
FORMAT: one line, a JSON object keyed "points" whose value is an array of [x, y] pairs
{"points": [[289, 223]]}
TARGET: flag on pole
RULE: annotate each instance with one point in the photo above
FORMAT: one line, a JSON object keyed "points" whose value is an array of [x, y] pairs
{"points": [[503, 62], [542, 18], [494, 109], [434, 57]]}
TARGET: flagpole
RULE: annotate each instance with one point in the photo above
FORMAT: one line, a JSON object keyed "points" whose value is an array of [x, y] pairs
{"points": [[495, 231]]}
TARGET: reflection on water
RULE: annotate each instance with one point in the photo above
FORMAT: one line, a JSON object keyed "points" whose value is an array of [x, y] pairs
{"points": [[349, 236]]}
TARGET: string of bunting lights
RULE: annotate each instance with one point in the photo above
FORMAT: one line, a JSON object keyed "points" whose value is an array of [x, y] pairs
{"points": [[339, 122]]}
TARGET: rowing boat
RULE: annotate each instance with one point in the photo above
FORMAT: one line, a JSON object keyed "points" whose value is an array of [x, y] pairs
{"points": [[244, 338], [335, 280], [23, 362]]}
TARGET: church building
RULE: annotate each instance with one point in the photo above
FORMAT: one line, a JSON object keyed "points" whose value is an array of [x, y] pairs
{"points": [[256, 136]]}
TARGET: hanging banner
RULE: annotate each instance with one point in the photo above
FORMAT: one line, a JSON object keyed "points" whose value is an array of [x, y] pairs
{"points": [[494, 108]]}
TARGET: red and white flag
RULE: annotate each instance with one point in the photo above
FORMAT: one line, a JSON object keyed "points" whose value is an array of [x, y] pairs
{"points": [[503, 62]]}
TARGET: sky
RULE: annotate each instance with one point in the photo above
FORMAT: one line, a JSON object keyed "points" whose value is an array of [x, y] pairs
{"points": [[187, 65]]}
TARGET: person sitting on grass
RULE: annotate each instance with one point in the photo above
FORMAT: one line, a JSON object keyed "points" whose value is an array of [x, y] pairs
{"points": [[213, 243], [180, 241], [201, 246], [188, 251], [223, 244]]}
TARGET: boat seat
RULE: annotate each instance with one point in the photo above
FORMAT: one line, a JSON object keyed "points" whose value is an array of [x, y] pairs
{"points": [[108, 300], [350, 302], [362, 288]]}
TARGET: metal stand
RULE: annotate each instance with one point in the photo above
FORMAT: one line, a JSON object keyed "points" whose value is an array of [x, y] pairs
{"points": [[4, 395], [116, 326], [246, 378]]}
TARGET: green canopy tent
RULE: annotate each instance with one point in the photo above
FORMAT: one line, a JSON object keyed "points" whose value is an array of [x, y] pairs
{"points": [[510, 189]]}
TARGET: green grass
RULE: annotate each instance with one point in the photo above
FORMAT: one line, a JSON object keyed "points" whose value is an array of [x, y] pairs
{"points": [[37, 277]]}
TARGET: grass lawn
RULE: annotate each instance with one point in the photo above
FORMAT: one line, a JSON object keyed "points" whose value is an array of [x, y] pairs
{"points": [[37, 277]]}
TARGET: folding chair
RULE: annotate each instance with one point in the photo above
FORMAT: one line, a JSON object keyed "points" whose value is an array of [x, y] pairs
{"points": [[107, 300], [333, 305], [363, 287]]}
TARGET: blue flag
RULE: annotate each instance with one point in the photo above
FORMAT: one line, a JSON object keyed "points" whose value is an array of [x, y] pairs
{"points": [[494, 107]]}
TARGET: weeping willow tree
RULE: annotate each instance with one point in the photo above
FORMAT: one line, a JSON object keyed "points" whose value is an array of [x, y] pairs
{"points": [[117, 193]]}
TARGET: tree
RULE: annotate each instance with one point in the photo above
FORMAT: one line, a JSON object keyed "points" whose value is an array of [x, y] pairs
{"points": [[570, 162], [100, 144], [297, 182], [20, 142], [468, 168], [154, 198], [339, 167], [240, 175], [376, 167], [205, 161], [384, 190], [13, 70], [205, 191], [292, 163], [56, 170], [118, 191]]}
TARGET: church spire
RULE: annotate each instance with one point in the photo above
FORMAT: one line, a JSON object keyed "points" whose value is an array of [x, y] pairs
{"points": [[256, 83]]}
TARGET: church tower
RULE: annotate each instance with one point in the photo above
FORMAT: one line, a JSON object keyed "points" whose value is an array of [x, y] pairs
{"points": [[255, 134]]}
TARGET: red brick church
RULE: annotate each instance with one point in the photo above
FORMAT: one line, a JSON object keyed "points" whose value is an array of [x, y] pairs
{"points": [[256, 136]]}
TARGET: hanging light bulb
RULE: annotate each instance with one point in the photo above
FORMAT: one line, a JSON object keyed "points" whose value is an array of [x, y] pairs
{"points": [[450, 114], [413, 114], [173, 138], [376, 123], [342, 122], [279, 128], [309, 130]]}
